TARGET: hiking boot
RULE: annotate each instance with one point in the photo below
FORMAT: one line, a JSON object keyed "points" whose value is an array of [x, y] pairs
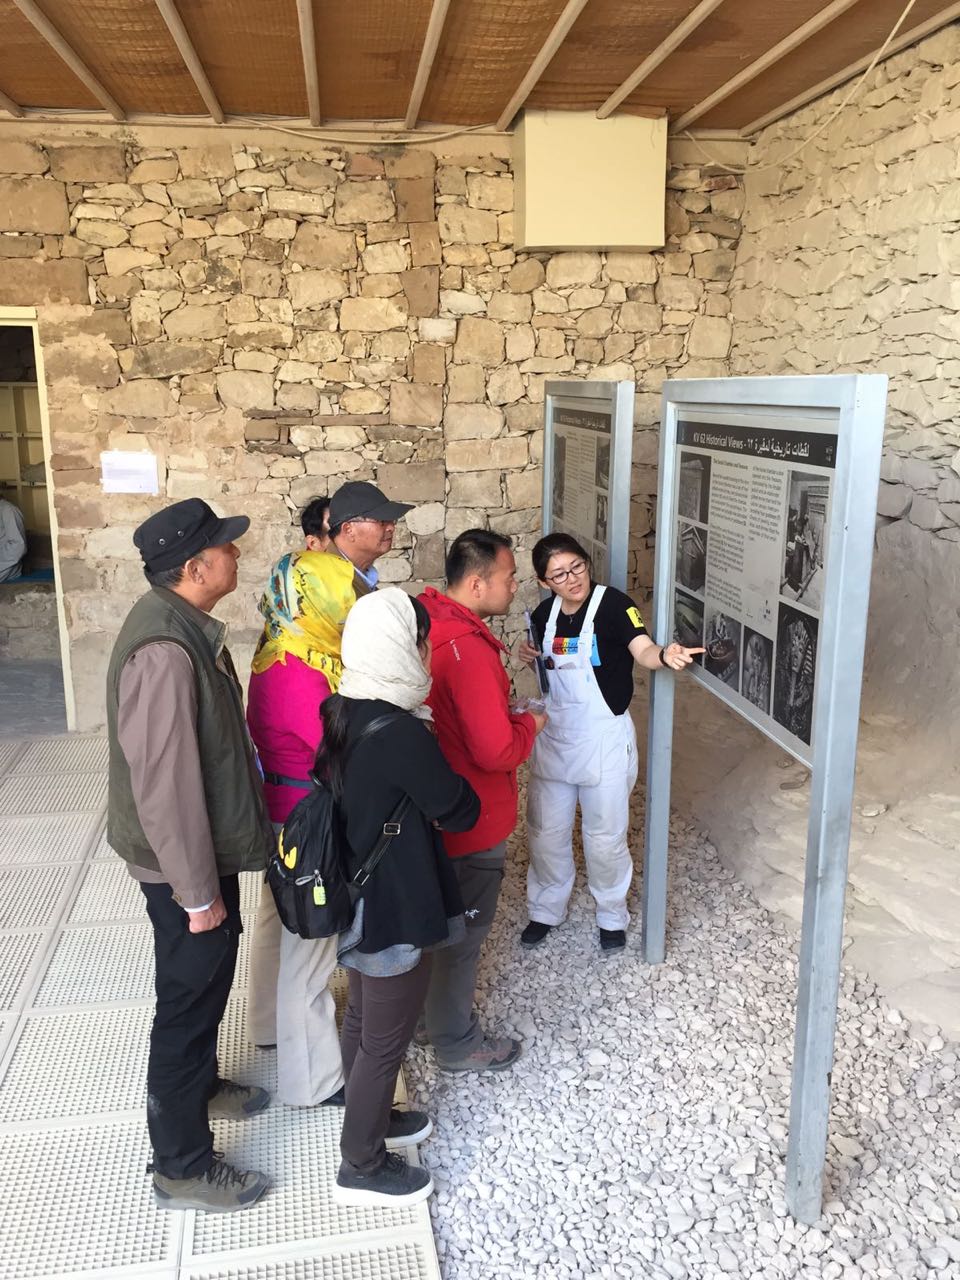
{"points": [[407, 1128], [222, 1189], [534, 933], [237, 1101], [612, 940], [494, 1054], [394, 1183]]}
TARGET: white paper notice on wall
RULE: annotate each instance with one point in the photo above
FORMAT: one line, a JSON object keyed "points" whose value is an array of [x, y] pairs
{"points": [[123, 472]]}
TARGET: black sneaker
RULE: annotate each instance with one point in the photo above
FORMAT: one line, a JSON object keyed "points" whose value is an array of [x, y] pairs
{"points": [[612, 940], [394, 1183], [534, 933], [407, 1128], [337, 1099], [222, 1189]]}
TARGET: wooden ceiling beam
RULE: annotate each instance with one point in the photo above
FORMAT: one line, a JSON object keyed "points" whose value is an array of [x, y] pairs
{"points": [[181, 38], [11, 107], [543, 59], [942, 19], [431, 43], [42, 23], [308, 46], [660, 54], [756, 68]]}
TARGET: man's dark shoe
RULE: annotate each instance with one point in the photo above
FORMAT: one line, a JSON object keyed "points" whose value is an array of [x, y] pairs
{"points": [[222, 1189], [338, 1099], [407, 1128], [534, 933], [237, 1101], [420, 1037], [394, 1183], [612, 940], [494, 1054]]}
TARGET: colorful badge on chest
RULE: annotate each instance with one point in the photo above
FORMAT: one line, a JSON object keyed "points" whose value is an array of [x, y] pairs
{"points": [[569, 647]]}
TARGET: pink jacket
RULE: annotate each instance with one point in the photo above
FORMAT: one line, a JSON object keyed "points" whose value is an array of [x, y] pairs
{"points": [[283, 713]]}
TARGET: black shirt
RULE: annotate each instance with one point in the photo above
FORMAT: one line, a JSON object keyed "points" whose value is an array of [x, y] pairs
{"points": [[414, 890], [616, 623]]}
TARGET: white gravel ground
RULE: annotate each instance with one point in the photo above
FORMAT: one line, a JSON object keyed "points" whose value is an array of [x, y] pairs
{"points": [[643, 1133]]}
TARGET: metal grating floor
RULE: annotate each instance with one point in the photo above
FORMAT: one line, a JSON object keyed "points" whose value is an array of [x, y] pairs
{"points": [[76, 989]]}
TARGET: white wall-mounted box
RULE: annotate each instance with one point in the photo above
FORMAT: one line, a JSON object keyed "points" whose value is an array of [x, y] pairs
{"points": [[584, 183]]}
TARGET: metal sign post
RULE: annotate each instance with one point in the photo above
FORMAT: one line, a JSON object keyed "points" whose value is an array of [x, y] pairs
{"points": [[767, 504], [588, 444]]}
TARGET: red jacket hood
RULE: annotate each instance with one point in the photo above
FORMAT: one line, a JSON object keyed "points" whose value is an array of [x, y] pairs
{"points": [[451, 621]]}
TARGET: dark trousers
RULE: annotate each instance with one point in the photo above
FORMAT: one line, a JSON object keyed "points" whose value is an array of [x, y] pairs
{"points": [[452, 1023], [194, 976], [379, 1022]]}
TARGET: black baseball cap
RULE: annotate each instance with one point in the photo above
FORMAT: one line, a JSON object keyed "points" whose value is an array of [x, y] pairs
{"points": [[172, 536], [358, 500]]}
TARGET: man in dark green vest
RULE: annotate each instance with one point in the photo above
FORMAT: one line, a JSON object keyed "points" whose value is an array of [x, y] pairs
{"points": [[186, 814]]}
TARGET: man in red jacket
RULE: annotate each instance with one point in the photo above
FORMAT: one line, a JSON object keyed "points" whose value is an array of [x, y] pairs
{"points": [[484, 742]]}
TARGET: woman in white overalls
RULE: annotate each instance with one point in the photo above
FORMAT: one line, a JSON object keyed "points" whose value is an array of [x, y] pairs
{"points": [[589, 637]]}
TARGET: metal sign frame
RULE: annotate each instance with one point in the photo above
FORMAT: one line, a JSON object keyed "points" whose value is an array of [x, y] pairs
{"points": [[858, 402], [616, 399]]}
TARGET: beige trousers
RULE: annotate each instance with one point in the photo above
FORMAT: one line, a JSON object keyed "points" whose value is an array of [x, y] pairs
{"points": [[289, 1003]]}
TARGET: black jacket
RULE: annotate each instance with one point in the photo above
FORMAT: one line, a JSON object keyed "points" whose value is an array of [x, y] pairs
{"points": [[413, 891]]}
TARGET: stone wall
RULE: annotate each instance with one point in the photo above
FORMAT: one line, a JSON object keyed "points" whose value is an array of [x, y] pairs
{"points": [[849, 261], [28, 621], [270, 318]]}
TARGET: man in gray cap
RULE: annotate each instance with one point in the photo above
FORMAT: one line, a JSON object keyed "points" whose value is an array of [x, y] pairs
{"points": [[362, 524], [186, 814]]}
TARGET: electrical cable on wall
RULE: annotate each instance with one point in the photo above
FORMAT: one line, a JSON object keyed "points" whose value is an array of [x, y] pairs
{"points": [[825, 124]]}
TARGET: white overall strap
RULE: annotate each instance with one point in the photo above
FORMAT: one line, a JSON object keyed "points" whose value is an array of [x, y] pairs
{"points": [[585, 643], [550, 630]]}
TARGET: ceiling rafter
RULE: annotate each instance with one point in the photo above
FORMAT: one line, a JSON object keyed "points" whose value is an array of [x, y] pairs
{"points": [[543, 59], [308, 46], [936, 23], [660, 54], [11, 107], [181, 38], [757, 67], [55, 40], [431, 43]]}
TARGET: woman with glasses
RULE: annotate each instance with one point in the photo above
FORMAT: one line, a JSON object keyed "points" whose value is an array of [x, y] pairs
{"points": [[590, 636]]}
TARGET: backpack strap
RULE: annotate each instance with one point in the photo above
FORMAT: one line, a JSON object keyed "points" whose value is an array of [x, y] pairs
{"points": [[392, 826]]}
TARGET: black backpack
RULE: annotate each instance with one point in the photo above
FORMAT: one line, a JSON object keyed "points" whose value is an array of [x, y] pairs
{"points": [[309, 873]]}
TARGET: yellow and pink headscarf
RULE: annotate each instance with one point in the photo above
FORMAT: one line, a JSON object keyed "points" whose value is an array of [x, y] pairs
{"points": [[305, 607]]}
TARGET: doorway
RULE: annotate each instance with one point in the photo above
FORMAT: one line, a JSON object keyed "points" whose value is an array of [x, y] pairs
{"points": [[35, 687]]}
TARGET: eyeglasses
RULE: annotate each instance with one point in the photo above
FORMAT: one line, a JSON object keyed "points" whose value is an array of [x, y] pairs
{"points": [[560, 577]]}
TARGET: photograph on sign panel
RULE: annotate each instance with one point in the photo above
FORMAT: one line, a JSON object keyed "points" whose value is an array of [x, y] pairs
{"points": [[722, 640], [805, 542], [688, 622], [693, 499], [600, 522], [795, 672], [691, 557], [559, 475], [603, 464], [757, 669]]}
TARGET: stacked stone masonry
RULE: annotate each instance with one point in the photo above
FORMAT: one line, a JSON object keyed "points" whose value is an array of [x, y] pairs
{"points": [[271, 321]]}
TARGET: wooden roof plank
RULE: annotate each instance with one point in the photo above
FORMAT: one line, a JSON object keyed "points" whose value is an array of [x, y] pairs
{"points": [[658, 55], [841, 51], [431, 43], [544, 57], [308, 46], [38, 19], [7, 104], [181, 38], [766, 60]]}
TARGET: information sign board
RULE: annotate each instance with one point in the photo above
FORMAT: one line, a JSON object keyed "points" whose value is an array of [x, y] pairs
{"points": [[588, 444], [750, 514], [769, 491]]}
